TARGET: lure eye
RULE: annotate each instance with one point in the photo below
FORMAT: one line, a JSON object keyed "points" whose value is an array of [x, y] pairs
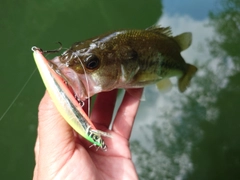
{"points": [[92, 62]]}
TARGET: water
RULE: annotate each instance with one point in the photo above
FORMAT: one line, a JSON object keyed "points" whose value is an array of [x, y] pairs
{"points": [[177, 136]]}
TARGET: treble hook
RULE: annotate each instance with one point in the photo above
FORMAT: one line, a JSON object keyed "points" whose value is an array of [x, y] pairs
{"points": [[34, 48]]}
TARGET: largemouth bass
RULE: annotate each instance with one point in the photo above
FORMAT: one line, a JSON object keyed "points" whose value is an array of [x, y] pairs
{"points": [[126, 59]]}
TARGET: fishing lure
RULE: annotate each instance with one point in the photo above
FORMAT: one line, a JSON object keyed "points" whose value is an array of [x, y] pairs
{"points": [[68, 106]]}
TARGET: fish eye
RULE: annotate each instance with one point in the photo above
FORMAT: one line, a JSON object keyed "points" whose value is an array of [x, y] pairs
{"points": [[92, 62]]}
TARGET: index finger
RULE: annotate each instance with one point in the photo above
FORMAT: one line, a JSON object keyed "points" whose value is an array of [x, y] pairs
{"points": [[103, 108], [126, 113]]}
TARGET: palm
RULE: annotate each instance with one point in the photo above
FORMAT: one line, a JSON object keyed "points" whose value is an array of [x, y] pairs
{"points": [[116, 163], [66, 156]]}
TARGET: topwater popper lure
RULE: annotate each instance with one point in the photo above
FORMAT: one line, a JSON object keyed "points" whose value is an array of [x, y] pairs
{"points": [[66, 103]]}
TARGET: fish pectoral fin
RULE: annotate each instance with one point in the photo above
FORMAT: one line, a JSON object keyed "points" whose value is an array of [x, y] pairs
{"points": [[164, 85], [184, 40], [184, 81], [147, 77]]}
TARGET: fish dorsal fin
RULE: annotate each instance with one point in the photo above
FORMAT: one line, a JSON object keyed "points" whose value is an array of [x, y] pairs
{"points": [[184, 40], [160, 30], [164, 85]]}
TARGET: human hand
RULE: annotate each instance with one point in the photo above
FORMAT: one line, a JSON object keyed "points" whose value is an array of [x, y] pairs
{"points": [[61, 154]]}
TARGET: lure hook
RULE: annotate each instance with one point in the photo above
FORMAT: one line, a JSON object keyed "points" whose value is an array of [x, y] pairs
{"points": [[34, 48]]}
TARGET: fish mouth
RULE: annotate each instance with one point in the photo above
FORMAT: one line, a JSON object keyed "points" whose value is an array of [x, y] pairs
{"points": [[83, 85], [72, 79]]}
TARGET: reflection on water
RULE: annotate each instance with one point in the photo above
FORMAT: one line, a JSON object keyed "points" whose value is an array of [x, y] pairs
{"points": [[194, 135]]}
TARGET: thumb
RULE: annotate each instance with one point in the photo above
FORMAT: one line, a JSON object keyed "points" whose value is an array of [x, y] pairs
{"points": [[56, 137], [52, 128]]}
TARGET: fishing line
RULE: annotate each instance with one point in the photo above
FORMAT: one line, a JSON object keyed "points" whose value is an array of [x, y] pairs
{"points": [[14, 100], [87, 86], [25, 84]]}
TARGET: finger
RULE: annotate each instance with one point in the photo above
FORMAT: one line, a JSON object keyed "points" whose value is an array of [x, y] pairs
{"points": [[126, 113], [103, 108]]}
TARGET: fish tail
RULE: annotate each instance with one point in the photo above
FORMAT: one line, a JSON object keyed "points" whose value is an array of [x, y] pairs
{"points": [[184, 81]]}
